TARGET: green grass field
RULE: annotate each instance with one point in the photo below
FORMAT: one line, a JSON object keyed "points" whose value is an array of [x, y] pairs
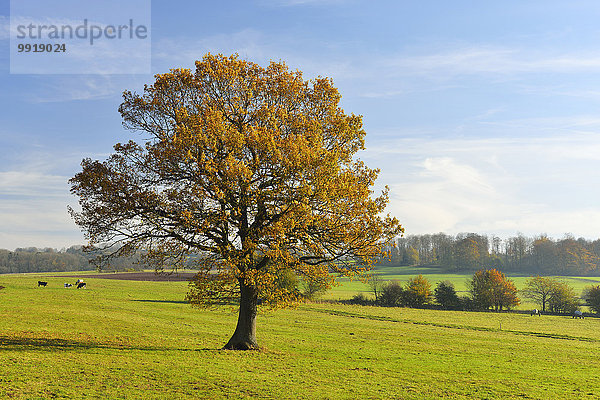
{"points": [[139, 340]]}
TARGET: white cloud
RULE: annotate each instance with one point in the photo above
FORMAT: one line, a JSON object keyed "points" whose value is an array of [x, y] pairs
{"points": [[24, 183], [456, 175], [499, 185], [492, 60], [81, 87], [34, 199], [383, 94], [33, 212]]}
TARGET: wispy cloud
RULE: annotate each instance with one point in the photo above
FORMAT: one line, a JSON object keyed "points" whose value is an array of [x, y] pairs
{"points": [[493, 60], [81, 87], [496, 185], [182, 52], [290, 3], [456, 175], [32, 184], [383, 94], [33, 204], [252, 45], [40, 222], [4, 27]]}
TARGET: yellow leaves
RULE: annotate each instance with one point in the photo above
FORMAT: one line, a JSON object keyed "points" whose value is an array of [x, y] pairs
{"points": [[254, 166]]}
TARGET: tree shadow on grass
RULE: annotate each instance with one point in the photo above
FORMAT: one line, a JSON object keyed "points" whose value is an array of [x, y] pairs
{"points": [[13, 343]]}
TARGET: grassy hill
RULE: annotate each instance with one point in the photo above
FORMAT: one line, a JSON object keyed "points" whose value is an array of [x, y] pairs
{"points": [[129, 339]]}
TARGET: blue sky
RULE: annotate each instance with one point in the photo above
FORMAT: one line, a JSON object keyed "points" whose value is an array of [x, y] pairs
{"points": [[482, 116]]}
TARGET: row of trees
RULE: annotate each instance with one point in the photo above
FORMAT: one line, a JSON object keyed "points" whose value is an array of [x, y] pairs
{"points": [[32, 259], [487, 289], [534, 255], [416, 293]]}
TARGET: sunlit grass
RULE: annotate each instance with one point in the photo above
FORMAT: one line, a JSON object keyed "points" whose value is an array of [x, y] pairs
{"points": [[127, 339]]}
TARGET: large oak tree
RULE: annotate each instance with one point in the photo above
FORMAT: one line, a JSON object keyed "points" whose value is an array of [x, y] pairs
{"points": [[247, 171]]}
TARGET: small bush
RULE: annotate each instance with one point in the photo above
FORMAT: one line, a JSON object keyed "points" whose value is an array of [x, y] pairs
{"points": [[286, 279], [314, 288], [360, 299], [446, 296], [418, 292], [468, 304], [591, 294], [392, 295]]}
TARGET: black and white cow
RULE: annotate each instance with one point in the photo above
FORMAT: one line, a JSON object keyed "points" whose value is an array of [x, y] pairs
{"points": [[536, 312], [81, 285]]}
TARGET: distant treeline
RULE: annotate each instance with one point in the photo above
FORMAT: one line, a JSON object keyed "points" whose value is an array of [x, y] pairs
{"points": [[519, 254], [32, 259]]}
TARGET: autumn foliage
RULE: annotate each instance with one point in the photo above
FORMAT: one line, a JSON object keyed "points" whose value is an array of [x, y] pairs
{"points": [[489, 288], [247, 171]]}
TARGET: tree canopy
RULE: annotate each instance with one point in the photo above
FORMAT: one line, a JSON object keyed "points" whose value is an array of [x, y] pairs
{"points": [[253, 169], [591, 294], [491, 288], [445, 295], [540, 289], [418, 291]]}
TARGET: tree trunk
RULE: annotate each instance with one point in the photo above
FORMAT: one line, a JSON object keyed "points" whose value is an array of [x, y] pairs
{"points": [[543, 304], [244, 337]]}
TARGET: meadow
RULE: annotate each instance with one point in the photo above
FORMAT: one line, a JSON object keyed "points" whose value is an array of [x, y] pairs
{"points": [[132, 340]]}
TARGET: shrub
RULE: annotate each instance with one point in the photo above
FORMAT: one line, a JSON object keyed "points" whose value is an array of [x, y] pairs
{"points": [[466, 303], [563, 299], [418, 292], [392, 295], [287, 280], [376, 284], [314, 287], [591, 294], [360, 299], [446, 296]]}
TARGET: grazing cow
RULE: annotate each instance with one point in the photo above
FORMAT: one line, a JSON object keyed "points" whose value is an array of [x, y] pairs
{"points": [[536, 312], [68, 285], [81, 285], [578, 314], [40, 283]]}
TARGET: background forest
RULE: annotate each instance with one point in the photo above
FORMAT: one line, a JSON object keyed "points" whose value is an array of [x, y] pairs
{"points": [[516, 255], [32, 259], [520, 254]]}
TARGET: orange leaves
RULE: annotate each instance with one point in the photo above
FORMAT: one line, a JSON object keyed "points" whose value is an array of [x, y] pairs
{"points": [[251, 166], [490, 288]]}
